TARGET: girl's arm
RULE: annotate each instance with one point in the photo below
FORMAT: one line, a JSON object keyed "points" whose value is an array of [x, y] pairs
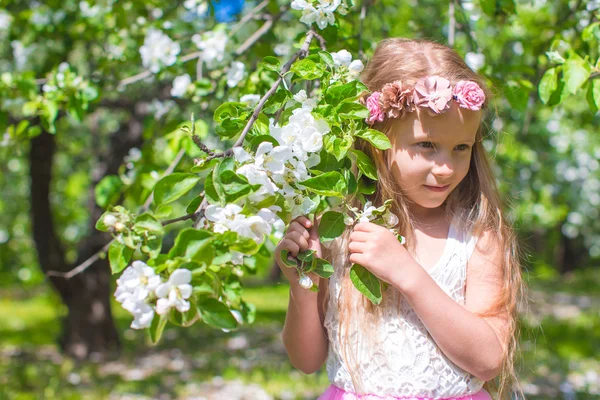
{"points": [[473, 343], [304, 336]]}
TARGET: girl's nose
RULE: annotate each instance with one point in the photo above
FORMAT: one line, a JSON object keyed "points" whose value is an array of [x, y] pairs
{"points": [[443, 168]]}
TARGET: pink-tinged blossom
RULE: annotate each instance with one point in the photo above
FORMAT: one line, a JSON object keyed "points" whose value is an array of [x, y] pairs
{"points": [[433, 92], [469, 95], [374, 106]]}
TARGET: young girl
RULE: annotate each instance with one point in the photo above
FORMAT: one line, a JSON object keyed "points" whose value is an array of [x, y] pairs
{"points": [[447, 321]]}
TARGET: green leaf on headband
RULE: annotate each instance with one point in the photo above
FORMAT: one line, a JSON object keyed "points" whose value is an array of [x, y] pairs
{"points": [[376, 138], [366, 283]]}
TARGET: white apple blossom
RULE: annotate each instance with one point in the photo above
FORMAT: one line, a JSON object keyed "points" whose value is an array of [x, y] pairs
{"points": [[253, 227], [158, 50], [199, 7], [5, 21], [221, 216], [133, 289], [212, 45], [250, 99], [87, 11], [174, 292], [355, 68], [110, 220], [367, 214], [138, 281], [180, 85], [342, 58], [241, 155], [475, 60], [320, 12], [235, 73], [142, 312]]}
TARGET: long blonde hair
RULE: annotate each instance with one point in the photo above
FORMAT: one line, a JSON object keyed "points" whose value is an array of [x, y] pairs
{"points": [[476, 198]]}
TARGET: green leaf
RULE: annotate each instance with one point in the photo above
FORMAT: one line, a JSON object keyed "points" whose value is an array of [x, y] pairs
{"points": [[216, 314], [157, 327], [118, 256], [230, 127], [323, 268], [277, 100], [517, 93], [284, 258], [327, 184], [108, 190], [229, 185], [376, 138], [193, 244], [325, 56], [230, 110], [173, 186], [366, 283], [347, 92], [337, 146], [576, 72], [593, 95], [209, 189], [270, 63], [260, 139], [365, 165], [548, 84], [307, 69], [194, 204], [331, 225], [147, 222], [352, 111]]}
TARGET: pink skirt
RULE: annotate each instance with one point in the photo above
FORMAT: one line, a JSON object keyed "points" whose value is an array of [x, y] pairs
{"points": [[335, 393]]}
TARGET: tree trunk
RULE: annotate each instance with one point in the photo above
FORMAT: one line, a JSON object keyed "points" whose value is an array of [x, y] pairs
{"points": [[88, 327]]}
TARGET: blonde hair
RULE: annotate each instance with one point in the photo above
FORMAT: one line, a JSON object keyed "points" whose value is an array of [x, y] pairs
{"points": [[476, 199]]}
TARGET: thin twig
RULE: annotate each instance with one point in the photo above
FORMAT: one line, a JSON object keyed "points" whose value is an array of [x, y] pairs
{"points": [[248, 16], [299, 54], [182, 218], [82, 267]]}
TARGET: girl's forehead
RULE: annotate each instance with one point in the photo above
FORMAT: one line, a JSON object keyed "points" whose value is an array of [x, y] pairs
{"points": [[456, 125]]}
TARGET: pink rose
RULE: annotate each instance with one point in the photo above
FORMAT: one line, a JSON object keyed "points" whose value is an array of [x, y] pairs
{"points": [[396, 99], [433, 92], [375, 111], [469, 95]]}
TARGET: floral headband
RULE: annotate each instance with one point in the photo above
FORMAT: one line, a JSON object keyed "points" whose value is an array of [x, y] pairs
{"points": [[432, 92]]}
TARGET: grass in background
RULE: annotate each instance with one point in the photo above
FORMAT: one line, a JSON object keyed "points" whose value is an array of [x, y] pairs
{"points": [[560, 343]]}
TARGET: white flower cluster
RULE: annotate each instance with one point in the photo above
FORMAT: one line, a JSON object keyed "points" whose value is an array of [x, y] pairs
{"points": [[319, 11], [278, 168], [139, 286], [5, 20], [199, 7], [346, 66], [235, 73], [229, 218], [212, 45], [158, 50], [180, 85]]}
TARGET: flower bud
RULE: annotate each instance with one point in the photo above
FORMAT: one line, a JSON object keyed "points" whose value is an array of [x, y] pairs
{"points": [[305, 282], [110, 220], [119, 226]]}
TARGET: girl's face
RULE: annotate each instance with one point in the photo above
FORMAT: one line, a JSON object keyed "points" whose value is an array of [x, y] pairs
{"points": [[430, 155]]}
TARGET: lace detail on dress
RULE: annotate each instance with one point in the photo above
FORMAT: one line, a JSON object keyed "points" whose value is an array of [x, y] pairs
{"points": [[404, 360]]}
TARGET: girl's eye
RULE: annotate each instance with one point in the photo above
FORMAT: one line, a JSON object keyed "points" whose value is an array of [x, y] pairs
{"points": [[463, 147], [427, 145]]}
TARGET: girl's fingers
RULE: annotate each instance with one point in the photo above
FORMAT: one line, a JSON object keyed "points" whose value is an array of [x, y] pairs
{"points": [[359, 236], [296, 226], [291, 246], [305, 222], [356, 258], [299, 239], [356, 247]]}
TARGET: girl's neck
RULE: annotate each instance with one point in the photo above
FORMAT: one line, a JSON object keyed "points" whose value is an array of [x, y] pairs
{"points": [[427, 217]]}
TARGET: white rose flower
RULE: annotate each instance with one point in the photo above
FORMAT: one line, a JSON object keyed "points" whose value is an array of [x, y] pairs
{"points": [[174, 292], [180, 85]]}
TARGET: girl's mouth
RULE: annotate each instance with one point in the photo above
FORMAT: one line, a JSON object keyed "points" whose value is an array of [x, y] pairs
{"points": [[437, 188]]}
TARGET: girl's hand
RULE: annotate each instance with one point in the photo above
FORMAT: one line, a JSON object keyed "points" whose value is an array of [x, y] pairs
{"points": [[378, 250], [301, 235]]}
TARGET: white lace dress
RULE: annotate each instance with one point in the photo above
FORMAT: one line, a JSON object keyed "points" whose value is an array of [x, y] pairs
{"points": [[405, 362]]}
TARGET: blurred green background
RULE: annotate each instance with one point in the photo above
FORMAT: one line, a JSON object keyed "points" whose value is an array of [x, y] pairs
{"points": [[107, 134]]}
